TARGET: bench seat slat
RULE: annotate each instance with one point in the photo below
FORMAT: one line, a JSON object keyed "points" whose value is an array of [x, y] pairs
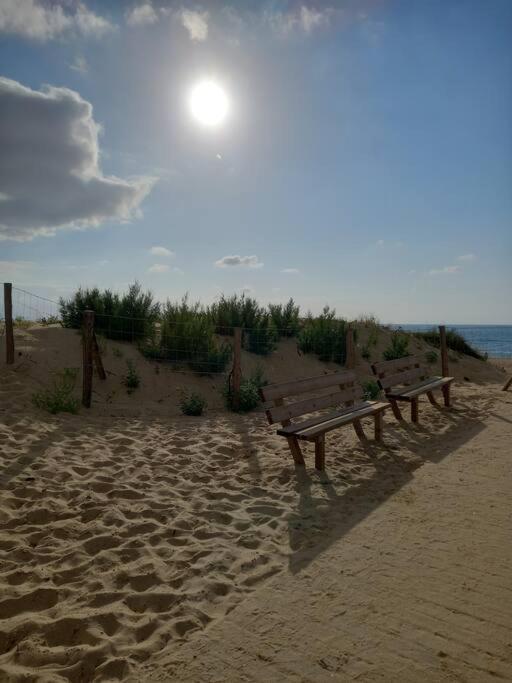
{"points": [[332, 421], [273, 391], [318, 419], [310, 405], [411, 392]]}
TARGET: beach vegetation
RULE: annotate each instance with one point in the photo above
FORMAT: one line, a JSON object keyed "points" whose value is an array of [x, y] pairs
{"points": [[58, 397], [132, 378], [371, 390], [325, 336], [454, 341], [192, 403], [398, 347]]}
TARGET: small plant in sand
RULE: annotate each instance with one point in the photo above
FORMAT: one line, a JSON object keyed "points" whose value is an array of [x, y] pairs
{"points": [[50, 320], [192, 403], [117, 352], [371, 390], [398, 348], [132, 379], [249, 392], [365, 352], [431, 357], [58, 398]]}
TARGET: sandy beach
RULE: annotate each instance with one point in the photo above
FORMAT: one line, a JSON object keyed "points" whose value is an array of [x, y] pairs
{"points": [[136, 545]]}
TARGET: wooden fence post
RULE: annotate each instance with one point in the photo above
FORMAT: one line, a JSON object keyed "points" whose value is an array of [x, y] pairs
{"points": [[350, 361], [9, 330], [507, 384], [87, 342], [97, 358], [444, 351], [237, 367]]}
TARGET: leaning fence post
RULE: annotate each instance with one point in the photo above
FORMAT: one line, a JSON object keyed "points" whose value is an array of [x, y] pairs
{"points": [[350, 360], [87, 341], [237, 368], [444, 351], [9, 330]]}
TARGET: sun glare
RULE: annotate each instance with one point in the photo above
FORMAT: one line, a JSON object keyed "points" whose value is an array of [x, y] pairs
{"points": [[209, 103]]}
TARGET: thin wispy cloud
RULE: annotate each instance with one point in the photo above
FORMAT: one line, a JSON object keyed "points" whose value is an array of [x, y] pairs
{"points": [[196, 24], [446, 270], [290, 271], [236, 261], [158, 268], [161, 251], [141, 15], [55, 129], [303, 19], [45, 21], [466, 258], [80, 65]]}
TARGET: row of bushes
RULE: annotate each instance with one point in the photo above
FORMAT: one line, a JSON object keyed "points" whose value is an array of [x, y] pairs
{"points": [[188, 333]]}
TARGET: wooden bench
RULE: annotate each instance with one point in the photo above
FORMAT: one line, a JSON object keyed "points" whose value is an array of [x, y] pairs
{"points": [[405, 379], [342, 392]]}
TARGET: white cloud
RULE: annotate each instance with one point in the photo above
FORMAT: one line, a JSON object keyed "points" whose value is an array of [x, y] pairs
{"points": [[44, 21], [158, 268], [233, 261], [379, 243], [141, 14], [290, 271], [196, 24], [49, 169], [161, 251], [304, 19], [79, 64], [467, 258], [447, 270]]}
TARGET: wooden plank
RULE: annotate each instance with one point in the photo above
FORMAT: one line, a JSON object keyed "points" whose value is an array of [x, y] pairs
{"points": [[88, 332], [386, 366], [358, 428], [319, 419], [405, 377], [444, 351], [414, 410], [446, 394], [295, 450], [310, 405], [412, 392], [320, 453], [378, 425], [312, 432], [273, 391], [9, 326], [237, 367], [97, 358]]}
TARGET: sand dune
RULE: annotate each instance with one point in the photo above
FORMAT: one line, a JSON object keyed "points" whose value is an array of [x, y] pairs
{"points": [[123, 536]]}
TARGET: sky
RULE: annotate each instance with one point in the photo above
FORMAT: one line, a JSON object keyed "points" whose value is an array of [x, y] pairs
{"points": [[365, 160]]}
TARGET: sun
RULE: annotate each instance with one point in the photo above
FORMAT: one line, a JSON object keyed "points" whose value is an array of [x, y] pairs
{"points": [[209, 103]]}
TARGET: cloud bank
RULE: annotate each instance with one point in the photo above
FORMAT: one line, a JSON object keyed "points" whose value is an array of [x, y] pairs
{"points": [[196, 24], [49, 172], [141, 14], [45, 21]]}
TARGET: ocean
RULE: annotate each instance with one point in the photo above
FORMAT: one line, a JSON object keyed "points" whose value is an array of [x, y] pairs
{"points": [[495, 340]]}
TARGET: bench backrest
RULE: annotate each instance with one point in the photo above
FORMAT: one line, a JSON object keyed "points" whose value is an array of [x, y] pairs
{"points": [[337, 388], [408, 370]]}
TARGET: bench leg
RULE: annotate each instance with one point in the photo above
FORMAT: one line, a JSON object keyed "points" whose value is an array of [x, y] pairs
{"points": [[432, 398], [320, 453], [378, 426], [396, 410], [359, 431], [414, 410], [293, 443], [446, 395]]}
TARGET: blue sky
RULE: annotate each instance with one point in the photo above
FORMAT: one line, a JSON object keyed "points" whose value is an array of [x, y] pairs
{"points": [[367, 153]]}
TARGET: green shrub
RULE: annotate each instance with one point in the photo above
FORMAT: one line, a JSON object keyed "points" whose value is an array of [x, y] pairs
{"points": [[365, 352], [235, 311], [187, 338], [261, 338], [249, 392], [59, 397], [325, 335], [431, 357], [371, 390], [132, 379], [399, 347], [126, 317], [285, 318], [454, 341], [49, 320], [192, 404]]}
